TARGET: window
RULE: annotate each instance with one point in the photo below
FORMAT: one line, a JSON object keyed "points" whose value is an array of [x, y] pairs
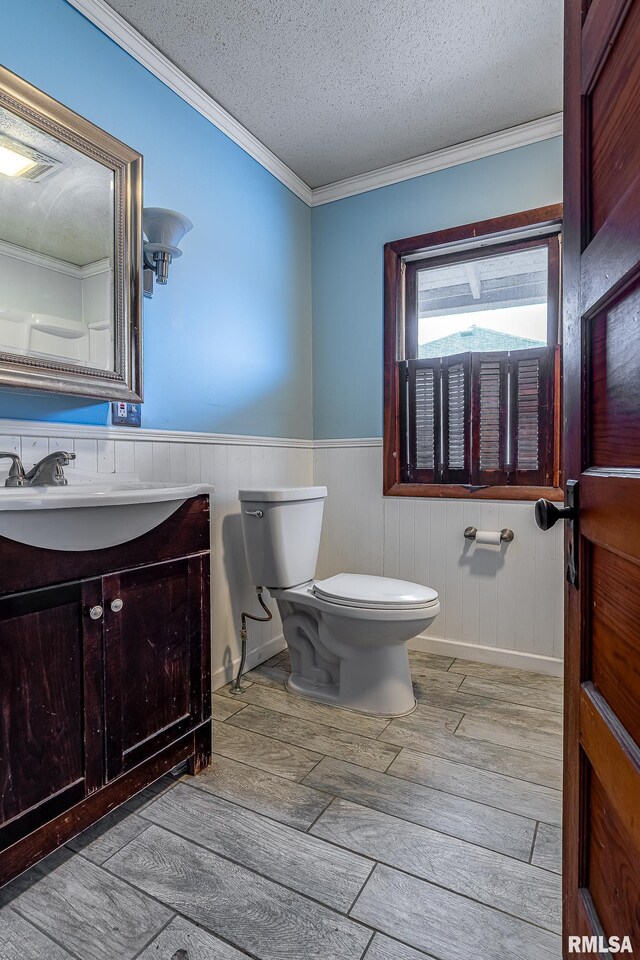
{"points": [[472, 377]]}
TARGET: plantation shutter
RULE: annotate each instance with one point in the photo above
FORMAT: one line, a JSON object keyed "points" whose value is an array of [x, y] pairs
{"points": [[423, 396], [489, 373], [439, 434], [531, 376], [482, 419], [456, 419]]}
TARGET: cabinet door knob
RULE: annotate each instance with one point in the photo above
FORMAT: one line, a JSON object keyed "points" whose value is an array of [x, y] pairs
{"points": [[116, 605], [96, 612]]}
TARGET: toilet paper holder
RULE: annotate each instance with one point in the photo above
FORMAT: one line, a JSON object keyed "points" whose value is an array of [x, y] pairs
{"points": [[506, 535]]}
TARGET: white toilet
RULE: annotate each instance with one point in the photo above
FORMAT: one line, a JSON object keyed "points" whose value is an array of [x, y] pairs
{"points": [[347, 635]]}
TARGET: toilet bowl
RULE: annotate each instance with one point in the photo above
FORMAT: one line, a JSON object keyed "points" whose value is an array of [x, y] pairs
{"points": [[347, 635]]}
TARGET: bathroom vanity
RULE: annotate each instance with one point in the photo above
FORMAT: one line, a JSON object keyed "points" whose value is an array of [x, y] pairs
{"points": [[105, 678], [104, 585]]}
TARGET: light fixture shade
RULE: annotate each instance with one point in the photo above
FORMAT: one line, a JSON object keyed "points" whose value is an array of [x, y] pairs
{"points": [[164, 229]]}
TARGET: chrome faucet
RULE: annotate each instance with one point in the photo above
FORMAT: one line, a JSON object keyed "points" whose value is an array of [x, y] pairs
{"points": [[47, 472]]}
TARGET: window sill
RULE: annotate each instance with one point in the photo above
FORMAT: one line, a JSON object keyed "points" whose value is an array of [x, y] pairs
{"points": [[455, 491]]}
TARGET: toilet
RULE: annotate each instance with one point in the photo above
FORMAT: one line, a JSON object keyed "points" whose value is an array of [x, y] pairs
{"points": [[347, 635]]}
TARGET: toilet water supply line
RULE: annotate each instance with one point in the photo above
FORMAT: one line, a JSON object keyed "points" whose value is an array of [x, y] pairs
{"points": [[235, 687]]}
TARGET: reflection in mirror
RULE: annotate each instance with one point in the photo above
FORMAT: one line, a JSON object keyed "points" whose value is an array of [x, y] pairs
{"points": [[56, 249], [70, 251]]}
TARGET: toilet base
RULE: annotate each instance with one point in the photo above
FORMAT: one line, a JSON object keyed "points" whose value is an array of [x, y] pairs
{"points": [[374, 679], [350, 657], [329, 694]]}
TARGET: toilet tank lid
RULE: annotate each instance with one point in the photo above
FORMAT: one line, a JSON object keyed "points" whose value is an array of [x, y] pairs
{"points": [[282, 494]]}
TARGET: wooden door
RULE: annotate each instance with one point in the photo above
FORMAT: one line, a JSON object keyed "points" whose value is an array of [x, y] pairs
{"points": [[155, 632], [50, 705], [602, 452]]}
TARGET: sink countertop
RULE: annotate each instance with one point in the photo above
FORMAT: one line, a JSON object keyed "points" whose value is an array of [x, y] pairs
{"points": [[93, 511], [86, 489]]}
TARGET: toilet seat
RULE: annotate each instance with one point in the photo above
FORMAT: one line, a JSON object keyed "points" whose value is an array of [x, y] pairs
{"points": [[368, 592]]}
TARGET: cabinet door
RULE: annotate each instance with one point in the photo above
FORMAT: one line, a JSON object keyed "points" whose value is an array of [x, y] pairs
{"points": [[154, 631], [50, 704]]}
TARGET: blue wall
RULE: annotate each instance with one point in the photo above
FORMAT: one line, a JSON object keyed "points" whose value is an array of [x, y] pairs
{"points": [[347, 255], [227, 344]]}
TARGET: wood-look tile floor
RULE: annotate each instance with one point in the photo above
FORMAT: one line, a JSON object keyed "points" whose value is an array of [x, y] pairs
{"points": [[320, 834]]}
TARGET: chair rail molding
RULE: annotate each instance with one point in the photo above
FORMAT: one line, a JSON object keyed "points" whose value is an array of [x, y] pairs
{"points": [[83, 431]]}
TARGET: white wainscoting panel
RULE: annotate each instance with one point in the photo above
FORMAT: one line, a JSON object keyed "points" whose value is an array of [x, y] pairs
{"points": [[228, 467], [502, 605]]}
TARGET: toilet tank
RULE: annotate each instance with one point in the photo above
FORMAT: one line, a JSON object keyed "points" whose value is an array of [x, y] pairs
{"points": [[281, 527]]}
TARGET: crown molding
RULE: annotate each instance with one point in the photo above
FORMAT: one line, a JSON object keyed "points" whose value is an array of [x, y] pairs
{"points": [[43, 260], [117, 28], [520, 136], [37, 259], [95, 269], [130, 40]]}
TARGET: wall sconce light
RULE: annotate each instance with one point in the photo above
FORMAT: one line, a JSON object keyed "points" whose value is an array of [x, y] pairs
{"points": [[164, 229]]}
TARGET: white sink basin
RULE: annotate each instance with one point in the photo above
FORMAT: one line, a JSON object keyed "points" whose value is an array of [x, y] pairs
{"points": [[89, 514]]}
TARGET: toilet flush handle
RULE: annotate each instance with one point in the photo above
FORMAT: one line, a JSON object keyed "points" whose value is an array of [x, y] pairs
{"points": [[254, 513]]}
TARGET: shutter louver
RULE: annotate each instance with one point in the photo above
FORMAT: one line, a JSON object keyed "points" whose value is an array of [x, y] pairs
{"points": [[528, 406], [531, 402], [425, 419], [423, 394], [456, 419], [456, 412], [490, 398]]}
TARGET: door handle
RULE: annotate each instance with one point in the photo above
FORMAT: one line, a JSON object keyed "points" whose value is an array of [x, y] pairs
{"points": [[547, 514], [96, 612], [117, 605]]}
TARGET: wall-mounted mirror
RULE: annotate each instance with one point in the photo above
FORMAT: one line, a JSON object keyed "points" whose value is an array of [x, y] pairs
{"points": [[70, 250]]}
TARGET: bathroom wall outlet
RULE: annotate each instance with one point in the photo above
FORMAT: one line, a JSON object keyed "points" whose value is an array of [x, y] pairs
{"points": [[125, 413]]}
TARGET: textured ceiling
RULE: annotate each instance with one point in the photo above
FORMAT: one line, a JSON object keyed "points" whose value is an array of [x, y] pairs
{"points": [[69, 213], [336, 89]]}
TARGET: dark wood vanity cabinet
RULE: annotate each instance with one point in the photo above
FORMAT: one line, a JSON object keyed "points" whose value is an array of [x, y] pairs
{"points": [[153, 669], [105, 680], [50, 682]]}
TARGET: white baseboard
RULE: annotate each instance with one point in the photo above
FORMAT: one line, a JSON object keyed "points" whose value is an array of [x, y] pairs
{"points": [[448, 648], [258, 655], [496, 656]]}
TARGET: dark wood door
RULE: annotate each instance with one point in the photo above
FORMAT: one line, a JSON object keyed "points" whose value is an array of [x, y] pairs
{"points": [[153, 629], [602, 451], [50, 704]]}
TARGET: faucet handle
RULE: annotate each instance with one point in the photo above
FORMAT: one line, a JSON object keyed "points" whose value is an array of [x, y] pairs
{"points": [[48, 471], [16, 476], [60, 459]]}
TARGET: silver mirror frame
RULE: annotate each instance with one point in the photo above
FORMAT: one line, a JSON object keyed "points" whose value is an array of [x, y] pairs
{"points": [[125, 382]]}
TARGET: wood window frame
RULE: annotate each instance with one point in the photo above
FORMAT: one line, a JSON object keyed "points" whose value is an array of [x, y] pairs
{"points": [[397, 333]]}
